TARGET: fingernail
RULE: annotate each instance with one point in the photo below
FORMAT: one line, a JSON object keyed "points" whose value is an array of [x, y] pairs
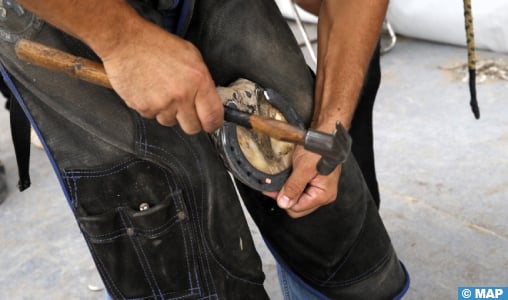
{"points": [[284, 201]]}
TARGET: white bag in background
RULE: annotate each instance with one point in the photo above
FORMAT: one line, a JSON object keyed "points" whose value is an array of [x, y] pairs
{"points": [[443, 21], [287, 12]]}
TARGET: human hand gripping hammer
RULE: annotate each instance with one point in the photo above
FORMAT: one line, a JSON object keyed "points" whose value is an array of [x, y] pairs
{"points": [[333, 148]]}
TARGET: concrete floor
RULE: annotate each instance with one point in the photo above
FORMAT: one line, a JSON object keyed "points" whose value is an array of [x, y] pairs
{"points": [[443, 177]]}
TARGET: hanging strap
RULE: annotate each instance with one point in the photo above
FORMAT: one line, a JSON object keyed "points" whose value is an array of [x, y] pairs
{"points": [[20, 130], [471, 54]]}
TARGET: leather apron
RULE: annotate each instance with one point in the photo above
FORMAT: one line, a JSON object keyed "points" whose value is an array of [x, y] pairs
{"points": [[157, 208]]}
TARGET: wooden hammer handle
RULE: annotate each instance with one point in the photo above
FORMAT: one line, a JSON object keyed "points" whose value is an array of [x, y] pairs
{"points": [[93, 72], [273, 128], [60, 61]]}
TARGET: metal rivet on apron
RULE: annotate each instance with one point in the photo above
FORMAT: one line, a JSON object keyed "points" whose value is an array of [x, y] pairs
{"points": [[130, 231], [144, 206], [181, 216]]}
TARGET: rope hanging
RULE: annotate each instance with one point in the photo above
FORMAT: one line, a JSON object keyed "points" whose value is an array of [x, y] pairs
{"points": [[471, 54]]}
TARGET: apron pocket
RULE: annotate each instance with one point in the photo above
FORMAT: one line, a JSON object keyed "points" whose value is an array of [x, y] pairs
{"points": [[144, 253]]}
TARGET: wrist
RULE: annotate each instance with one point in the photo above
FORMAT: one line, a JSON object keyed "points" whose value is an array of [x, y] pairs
{"points": [[336, 102], [326, 119], [117, 32]]}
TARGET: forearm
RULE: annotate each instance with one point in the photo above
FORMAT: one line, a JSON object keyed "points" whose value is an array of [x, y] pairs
{"points": [[102, 24], [348, 33], [156, 73]]}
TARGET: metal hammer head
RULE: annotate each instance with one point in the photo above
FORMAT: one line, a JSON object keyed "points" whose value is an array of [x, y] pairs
{"points": [[333, 148]]}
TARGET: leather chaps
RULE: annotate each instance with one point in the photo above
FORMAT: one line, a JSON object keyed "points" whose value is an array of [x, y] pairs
{"points": [[158, 209]]}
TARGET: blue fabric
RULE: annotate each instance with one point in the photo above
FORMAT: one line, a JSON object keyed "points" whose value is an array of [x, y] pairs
{"points": [[406, 287], [171, 17], [185, 11], [175, 18], [293, 288]]}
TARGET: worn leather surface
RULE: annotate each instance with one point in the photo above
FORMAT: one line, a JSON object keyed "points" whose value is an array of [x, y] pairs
{"points": [[342, 248], [250, 39], [193, 241]]}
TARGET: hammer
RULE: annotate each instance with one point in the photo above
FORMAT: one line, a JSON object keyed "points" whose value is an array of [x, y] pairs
{"points": [[333, 148]]}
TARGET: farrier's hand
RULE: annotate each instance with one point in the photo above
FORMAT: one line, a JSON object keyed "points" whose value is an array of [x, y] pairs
{"points": [[156, 73], [306, 190], [164, 77]]}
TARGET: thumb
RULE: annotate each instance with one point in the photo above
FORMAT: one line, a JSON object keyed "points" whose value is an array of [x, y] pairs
{"points": [[294, 187], [209, 107]]}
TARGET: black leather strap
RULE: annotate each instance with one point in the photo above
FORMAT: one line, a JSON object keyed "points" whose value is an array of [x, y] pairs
{"points": [[20, 131]]}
